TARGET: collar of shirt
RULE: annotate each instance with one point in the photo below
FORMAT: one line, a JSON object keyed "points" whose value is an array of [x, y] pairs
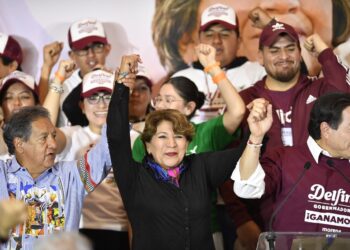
{"points": [[14, 166], [316, 150]]}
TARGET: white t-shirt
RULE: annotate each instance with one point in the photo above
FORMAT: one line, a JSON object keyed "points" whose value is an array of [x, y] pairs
{"points": [[241, 77]]}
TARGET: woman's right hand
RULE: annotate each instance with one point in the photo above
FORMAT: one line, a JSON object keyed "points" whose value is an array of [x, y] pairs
{"points": [[260, 118]]}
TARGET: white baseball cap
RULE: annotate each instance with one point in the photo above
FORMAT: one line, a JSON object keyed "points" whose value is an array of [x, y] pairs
{"points": [[84, 32], [219, 13], [19, 76], [97, 80]]}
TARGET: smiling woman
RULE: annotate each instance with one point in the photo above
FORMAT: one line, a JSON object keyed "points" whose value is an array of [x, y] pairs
{"points": [[166, 136], [163, 192]]}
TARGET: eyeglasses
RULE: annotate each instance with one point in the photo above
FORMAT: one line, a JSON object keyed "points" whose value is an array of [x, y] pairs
{"points": [[94, 99], [96, 48], [168, 100]]}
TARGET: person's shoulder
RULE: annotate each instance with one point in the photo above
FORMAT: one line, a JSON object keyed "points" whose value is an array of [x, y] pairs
{"points": [[190, 73], [70, 130]]}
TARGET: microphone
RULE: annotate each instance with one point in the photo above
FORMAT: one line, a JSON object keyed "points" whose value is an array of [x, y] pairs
{"points": [[330, 163], [271, 237]]}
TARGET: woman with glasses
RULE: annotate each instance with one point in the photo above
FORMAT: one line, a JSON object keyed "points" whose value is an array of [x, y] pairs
{"points": [[182, 94], [104, 219]]}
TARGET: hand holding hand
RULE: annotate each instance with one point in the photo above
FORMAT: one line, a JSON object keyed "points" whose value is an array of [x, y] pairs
{"points": [[260, 117], [128, 70]]}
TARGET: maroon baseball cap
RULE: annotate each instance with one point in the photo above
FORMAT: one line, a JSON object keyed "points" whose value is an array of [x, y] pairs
{"points": [[84, 32], [271, 32], [10, 48]]}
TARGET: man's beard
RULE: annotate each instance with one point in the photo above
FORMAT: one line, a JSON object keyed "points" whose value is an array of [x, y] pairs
{"points": [[284, 76]]}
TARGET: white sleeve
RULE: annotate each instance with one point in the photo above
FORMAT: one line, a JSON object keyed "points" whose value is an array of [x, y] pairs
{"points": [[252, 188]]}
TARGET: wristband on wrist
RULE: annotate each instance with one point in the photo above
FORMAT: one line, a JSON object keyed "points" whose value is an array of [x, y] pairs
{"points": [[252, 144], [59, 76], [57, 88], [219, 77], [210, 66], [122, 75]]}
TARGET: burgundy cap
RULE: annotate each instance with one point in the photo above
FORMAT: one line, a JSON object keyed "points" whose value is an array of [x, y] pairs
{"points": [[10, 48], [85, 32], [271, 32]]}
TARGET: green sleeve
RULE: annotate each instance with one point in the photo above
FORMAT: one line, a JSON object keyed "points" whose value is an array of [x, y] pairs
{"points": [[212, 136], [138, 150]]}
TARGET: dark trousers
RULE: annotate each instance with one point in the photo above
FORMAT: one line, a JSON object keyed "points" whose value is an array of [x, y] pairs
{"points": [[107, 239]]}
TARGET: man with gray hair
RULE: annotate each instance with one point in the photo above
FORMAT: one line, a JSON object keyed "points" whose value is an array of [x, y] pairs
{"points": [[53, 192]]}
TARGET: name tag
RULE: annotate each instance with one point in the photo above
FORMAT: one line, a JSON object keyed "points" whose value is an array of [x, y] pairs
{"points": [[287, 137]]}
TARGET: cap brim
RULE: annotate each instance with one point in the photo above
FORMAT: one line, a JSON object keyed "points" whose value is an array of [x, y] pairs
{"points": [[83, 43], [272, 39], [223, 23], [95, 90]]}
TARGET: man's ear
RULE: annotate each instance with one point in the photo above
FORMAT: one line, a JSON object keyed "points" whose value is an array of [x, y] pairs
{"points": [[107, 48], [190, 107], [325, 130], [71, 55], [18, 144]]}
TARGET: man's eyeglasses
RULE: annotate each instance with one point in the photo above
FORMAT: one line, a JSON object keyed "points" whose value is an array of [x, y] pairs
{"points": [[96, 48], [167, 100], [94, 99]]}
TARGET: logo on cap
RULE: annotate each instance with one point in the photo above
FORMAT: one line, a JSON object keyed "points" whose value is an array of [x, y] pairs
{"points": [[219, 13], [97, 80], [278, 26]]}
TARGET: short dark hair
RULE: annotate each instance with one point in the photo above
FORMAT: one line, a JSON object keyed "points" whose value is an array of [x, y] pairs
{"points": [[20, 124], [327, 108], [188, 91], [180, 124]]}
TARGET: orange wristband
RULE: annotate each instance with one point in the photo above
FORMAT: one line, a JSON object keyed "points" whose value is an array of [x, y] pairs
{"points": [[209, 67], [59, 77], [219, 77]]}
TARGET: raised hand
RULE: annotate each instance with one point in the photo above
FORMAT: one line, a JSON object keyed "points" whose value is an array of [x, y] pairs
{"points": [[315, 45], [128, 70], [206, 54], [259, 17], [52, 53], [260, 117], [65, 70]]}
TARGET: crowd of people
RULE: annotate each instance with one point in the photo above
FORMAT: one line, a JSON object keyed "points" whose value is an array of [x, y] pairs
{"points": [[89, 160]]}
